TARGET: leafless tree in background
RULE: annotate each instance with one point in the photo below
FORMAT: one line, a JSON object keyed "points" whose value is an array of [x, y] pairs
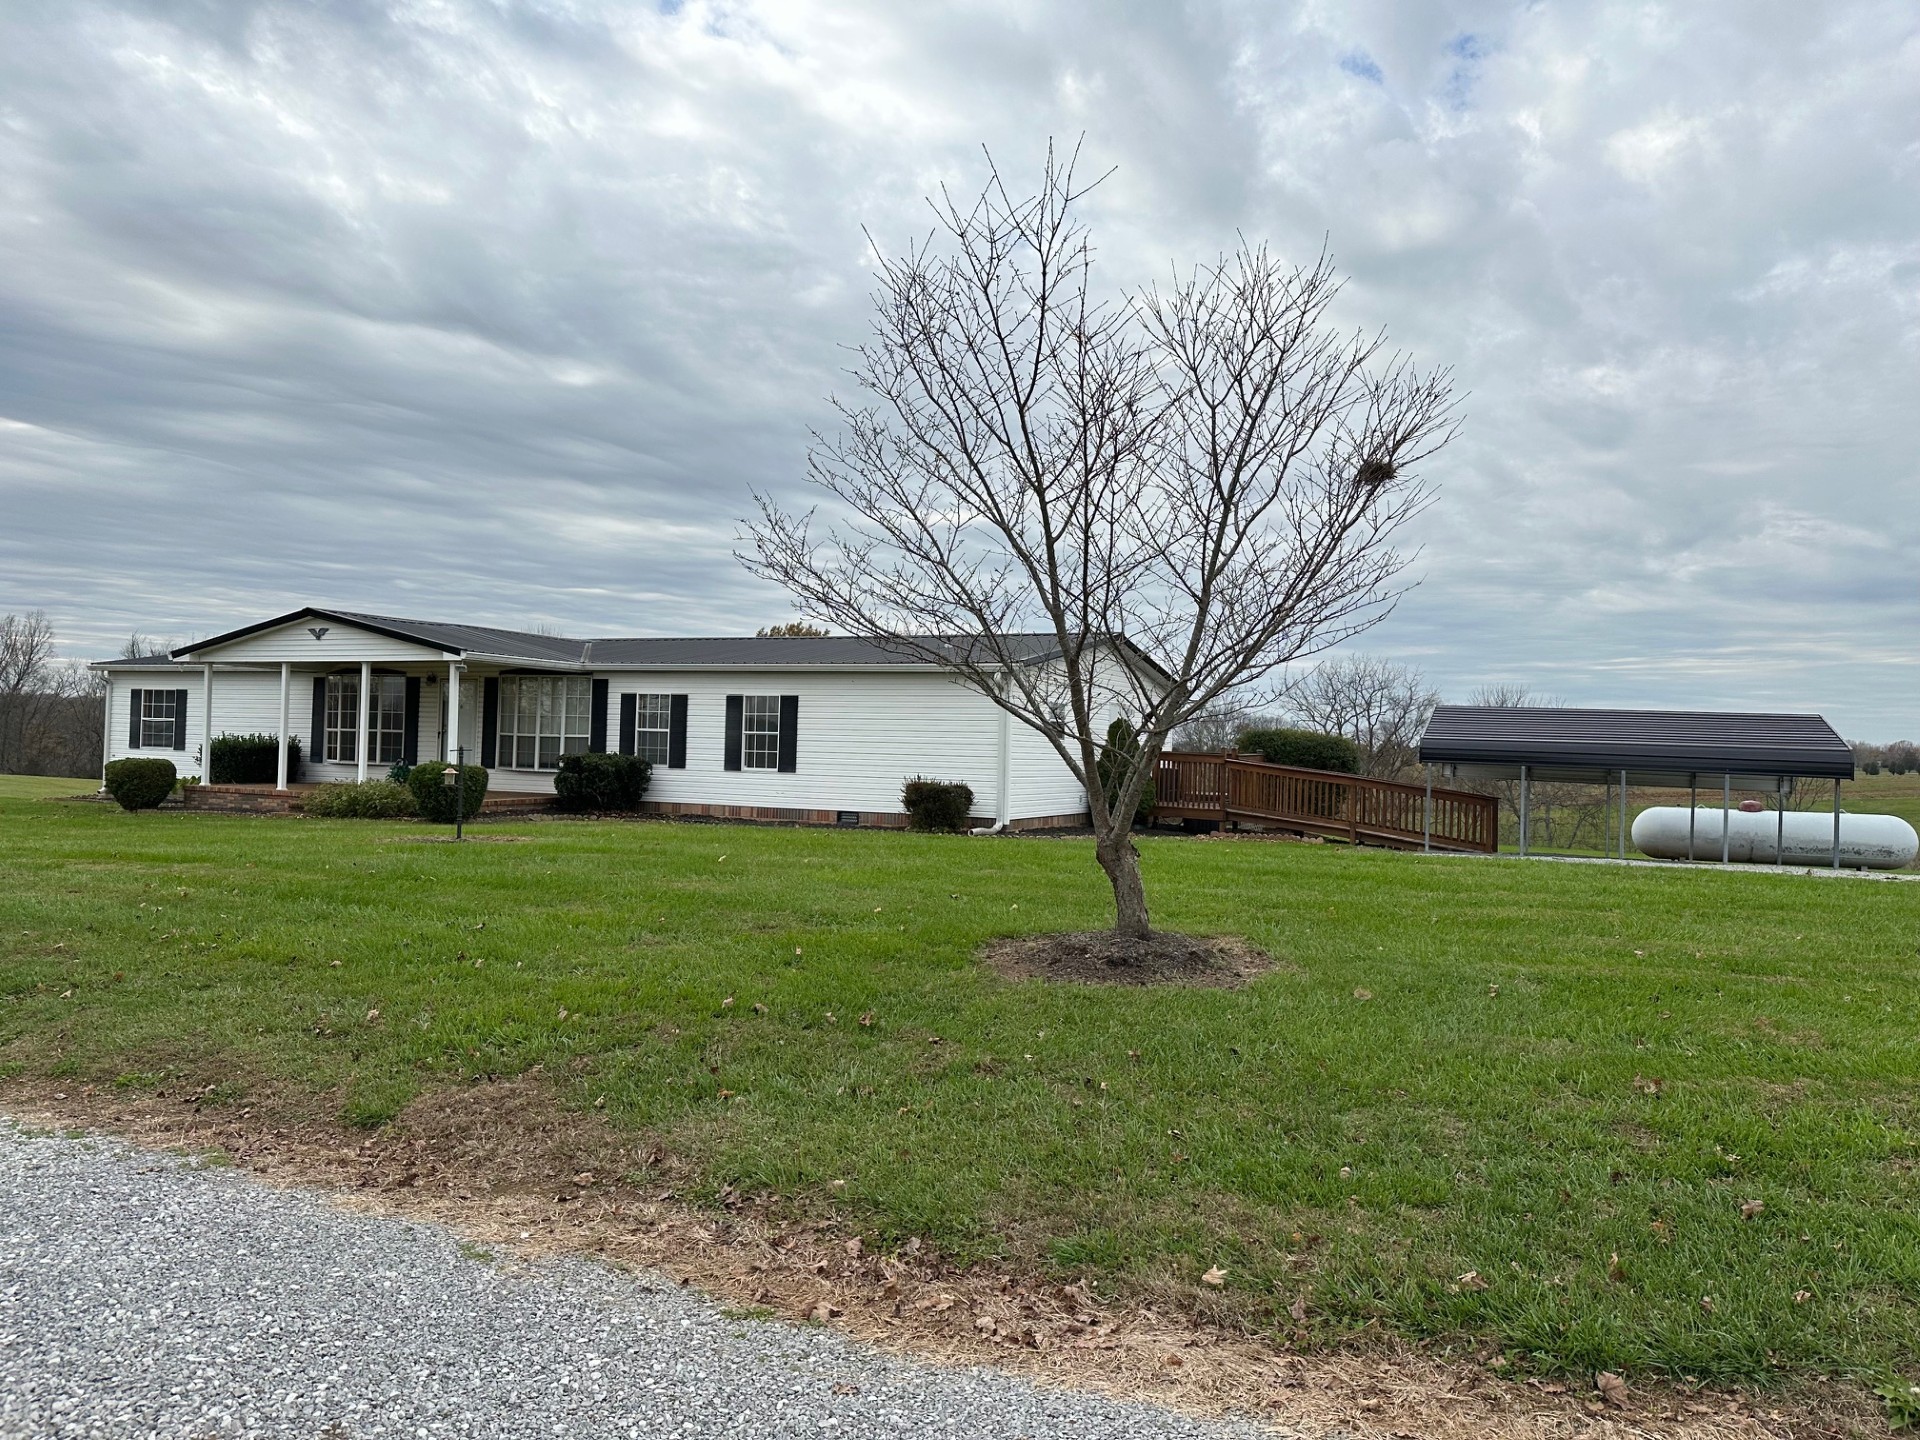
{"points": [[1380, 705], [1561, 815], [50, 712], [1179, 491]]}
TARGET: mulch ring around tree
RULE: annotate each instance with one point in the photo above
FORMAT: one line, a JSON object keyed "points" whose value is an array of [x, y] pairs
{"points": [[1101, 957]]}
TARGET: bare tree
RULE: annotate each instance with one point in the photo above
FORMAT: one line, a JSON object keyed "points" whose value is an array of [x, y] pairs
{"points": [[789, 629], [49, 710], [1083, 507], [1380, 705]]}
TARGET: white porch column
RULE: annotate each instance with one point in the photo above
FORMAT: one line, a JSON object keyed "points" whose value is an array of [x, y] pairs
{"points": [[453, 712], [360, 734], [206, 723], [106, 735], [286, 685]]}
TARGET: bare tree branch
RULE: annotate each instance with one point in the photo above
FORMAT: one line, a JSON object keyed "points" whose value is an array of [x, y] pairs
{"points": [[1085, 507]]}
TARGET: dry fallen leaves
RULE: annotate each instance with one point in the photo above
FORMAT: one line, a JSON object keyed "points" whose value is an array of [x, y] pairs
{"points": [[1472, 1280], [1615, 1271], [1749, 1209], [1612, 1388], [1214, 1276], [1362, 994]]}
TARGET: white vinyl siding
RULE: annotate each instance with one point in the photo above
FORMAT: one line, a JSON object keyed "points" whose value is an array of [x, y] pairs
{"points": [[542, 718]]}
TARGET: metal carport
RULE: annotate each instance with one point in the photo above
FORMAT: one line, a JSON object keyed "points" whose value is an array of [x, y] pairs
{"points": [[1746, 751]]}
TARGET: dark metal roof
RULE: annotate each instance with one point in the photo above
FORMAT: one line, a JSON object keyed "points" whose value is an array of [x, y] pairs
{"points": [[1673, 741], [752, 651], [764, 650]]}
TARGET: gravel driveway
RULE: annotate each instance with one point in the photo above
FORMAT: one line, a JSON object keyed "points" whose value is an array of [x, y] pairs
{"points": [[143, 1295]]}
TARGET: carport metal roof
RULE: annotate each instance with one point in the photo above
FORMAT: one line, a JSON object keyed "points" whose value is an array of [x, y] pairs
{"points": [[1654, 747]]}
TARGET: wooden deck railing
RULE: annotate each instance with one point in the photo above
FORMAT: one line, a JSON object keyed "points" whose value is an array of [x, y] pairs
{"points": [[1229, 788]]}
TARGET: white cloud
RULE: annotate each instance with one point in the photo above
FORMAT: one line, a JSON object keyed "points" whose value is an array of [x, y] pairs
{"points": [[287, 288]]}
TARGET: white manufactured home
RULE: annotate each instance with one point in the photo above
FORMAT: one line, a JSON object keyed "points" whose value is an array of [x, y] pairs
{"points": [[815, 729]]}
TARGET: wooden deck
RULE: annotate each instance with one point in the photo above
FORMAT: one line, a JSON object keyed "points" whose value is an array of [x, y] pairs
{"points": [[1239, 790]]}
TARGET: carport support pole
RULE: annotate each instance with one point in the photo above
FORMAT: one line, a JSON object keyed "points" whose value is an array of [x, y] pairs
{"points": [[1726, 818], [1693, 812], [1836, 824], [1623, 814], [1525, 793], [1426, 816], [1780, 820], [286, 686]]}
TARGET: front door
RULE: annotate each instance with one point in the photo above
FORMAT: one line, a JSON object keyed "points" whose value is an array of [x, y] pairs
{"points": [[470, 719]]}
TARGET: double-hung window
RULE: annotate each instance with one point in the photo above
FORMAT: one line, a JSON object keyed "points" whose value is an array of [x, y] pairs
{"points": [[543, 717], [653, 728], [760, 732], [158, 717], [386, 719]]}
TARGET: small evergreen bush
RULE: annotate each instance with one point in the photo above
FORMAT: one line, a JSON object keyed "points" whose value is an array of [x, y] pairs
{"points": [[140, 784], [1308, 749], [1117, 756], [601, 782], [251, 760], [936, 804], [436, 800], [398, 772], [375, 800]]}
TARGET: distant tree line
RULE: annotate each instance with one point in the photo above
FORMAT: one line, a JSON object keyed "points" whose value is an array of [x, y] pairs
{"points": [[1902, 757], [52, 711]]}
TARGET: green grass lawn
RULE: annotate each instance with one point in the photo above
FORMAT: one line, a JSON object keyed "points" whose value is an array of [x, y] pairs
{"points": [[1465, 1065], [44, 787]]}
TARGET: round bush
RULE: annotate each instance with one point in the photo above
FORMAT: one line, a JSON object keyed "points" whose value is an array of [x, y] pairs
{"points": [[1307, 749], [375, 800], [936, 804], [140, 784], [433, 797], [601, 782]]}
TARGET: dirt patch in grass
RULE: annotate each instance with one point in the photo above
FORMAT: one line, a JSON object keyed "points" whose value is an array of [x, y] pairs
{"points": [[1100, 957]]}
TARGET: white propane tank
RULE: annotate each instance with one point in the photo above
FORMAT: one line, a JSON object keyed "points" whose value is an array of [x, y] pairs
{"points": [[1867, 842]]}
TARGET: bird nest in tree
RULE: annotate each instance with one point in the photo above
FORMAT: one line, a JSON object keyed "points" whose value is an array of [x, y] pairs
{"points": [[1101, 957]]}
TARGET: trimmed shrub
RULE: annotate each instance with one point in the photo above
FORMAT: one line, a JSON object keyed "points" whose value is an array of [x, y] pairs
{"points": [[375, 800], [250, 760], [436, 800], [140, 784], [1308, 749], [1117, 756], [601, 782], [398, 772], [936, 804]]}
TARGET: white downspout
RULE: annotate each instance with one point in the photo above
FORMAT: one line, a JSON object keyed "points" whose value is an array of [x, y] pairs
{"points": [[1003, 796]]}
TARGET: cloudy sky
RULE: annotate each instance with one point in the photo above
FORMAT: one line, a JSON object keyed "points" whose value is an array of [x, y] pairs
{"points": [[499, 309]]}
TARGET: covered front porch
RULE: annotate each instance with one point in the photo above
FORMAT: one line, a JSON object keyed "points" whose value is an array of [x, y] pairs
{"points": [[362, 694]]}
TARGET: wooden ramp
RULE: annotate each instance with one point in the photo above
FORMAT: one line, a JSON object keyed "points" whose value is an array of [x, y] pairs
{"points": [[1236, 790]]}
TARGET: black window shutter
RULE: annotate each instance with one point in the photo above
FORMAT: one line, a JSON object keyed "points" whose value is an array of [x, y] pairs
{"points": [[489, 719], [677, 732], [597, 725], [317, 742], [133, 728], [629, 720], [410, 739], [731, 759], [789, 732], [180, 720]]}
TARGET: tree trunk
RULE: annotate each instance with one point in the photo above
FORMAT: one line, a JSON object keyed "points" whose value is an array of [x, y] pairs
{"points": [[1121, 861]]}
